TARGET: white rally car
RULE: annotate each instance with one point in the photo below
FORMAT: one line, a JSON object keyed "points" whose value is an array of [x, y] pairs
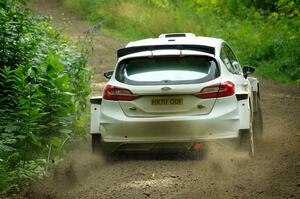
{"points": [[174, 92]]}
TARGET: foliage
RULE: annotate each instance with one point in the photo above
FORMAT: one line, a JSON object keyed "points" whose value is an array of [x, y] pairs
{"points": [[264, 33], [43, 89]]}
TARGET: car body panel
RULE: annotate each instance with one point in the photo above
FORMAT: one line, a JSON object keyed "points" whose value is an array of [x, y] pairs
{"points": [[167, 105], [191, 105], [117, 127]]}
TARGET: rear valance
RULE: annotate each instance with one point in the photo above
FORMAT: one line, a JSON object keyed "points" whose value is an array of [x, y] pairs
{"points": [[126, 51]]}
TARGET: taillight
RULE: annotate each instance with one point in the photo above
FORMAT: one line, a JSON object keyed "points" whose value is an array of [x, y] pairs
{"points": [[116, 93], [220, 90]]}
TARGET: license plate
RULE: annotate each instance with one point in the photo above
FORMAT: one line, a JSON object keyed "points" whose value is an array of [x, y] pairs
{"points": [[167, 101]]}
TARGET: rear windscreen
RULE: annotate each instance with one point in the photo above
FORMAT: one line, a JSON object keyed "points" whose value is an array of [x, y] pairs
{"points": [[167, 70]]}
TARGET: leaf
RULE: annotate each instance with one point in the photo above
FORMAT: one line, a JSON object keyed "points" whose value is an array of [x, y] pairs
{"points": [[68, 93], [4, 148], [65, 131], [11, 128], [56, 142]]}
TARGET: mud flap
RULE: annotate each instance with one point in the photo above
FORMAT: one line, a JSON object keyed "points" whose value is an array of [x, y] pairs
{"points": [[95, 114]]}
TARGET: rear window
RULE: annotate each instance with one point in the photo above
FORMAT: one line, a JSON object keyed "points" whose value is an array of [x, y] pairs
{"points": [[167, 70]]}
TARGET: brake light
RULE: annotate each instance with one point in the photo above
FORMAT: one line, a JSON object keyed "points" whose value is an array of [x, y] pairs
{"points": [[116, 93], [215, 91]]}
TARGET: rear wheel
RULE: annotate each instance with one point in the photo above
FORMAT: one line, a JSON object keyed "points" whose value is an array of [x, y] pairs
{"points": [[258, 122], [247, 138], [101, 148], [247, 141], [96, 143]]}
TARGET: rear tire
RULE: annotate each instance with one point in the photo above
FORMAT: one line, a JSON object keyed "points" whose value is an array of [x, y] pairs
{"points": [[100, 148], [247, 138], [258, 122], [247, 141], [96, 143]]}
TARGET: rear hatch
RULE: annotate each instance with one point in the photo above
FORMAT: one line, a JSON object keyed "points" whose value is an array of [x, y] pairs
{"points": [[167, 85]]}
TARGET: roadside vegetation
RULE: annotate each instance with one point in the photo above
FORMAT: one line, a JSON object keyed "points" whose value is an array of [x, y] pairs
{"points": [[265, 34], [43, 88]]}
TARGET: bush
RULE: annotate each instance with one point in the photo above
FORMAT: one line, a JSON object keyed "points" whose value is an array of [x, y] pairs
{"points": [[43, 89]]}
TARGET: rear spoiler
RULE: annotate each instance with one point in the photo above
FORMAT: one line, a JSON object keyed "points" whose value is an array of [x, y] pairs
{"points": [[126, 51]]}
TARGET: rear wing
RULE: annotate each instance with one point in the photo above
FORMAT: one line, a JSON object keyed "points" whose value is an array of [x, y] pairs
{"points": [[135, 49]]}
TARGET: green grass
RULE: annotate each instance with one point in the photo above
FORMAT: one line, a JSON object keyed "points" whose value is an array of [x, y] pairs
{"points": [[265, 39]]}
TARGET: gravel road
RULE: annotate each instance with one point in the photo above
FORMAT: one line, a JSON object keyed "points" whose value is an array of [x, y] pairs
{"points": [[223, 172]]}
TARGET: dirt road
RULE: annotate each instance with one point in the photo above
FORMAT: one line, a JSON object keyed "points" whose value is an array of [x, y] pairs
{"points": [[223, 173]]}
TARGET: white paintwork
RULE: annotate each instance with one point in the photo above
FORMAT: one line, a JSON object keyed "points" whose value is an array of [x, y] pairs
{"points": [[206, 41], [254, 83], [172, 35], [255, 91], [224, 119], [163, 52], [222, 122], [244, 113], [95, 117]]}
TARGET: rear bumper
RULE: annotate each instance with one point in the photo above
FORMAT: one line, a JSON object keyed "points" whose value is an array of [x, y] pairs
{"points": [[220, 123]]}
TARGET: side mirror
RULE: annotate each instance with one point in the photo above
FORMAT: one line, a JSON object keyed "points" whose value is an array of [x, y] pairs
{"points": [[108, 74], [247, 70]]}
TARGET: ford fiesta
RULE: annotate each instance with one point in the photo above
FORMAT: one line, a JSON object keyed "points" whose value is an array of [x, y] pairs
{"points": [[174, 93]]}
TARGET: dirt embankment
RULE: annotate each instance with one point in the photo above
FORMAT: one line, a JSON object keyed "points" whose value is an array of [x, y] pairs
{"points": [[223, 173]]}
